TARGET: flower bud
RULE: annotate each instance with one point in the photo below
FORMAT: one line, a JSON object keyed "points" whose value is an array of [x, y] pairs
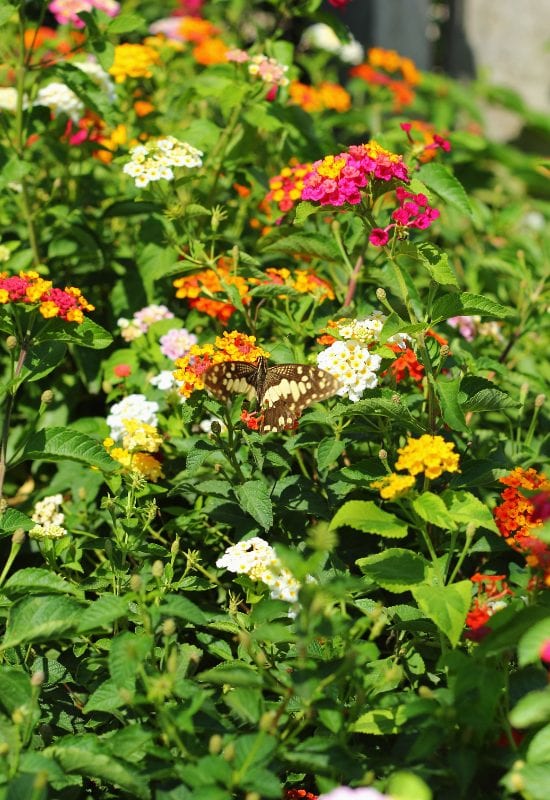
{"points": [[11, 342], [229, 752], [215, 744], [252, 795], [396, 400], [445, 350], [216, 428], [157, 570], [18, 536], [175, 548], [540, 400], [381, 294], [168, 627], [267, 720], [46, 397], [38, 678], [136, 583], [383, 455]]}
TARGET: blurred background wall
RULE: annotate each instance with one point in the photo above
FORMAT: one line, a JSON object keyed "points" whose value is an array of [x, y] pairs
{"points": [[507, 42]]}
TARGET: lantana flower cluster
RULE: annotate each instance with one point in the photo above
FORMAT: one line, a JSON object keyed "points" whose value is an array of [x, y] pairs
{"points": [[302, 281], [200, 289], [29, 288], [155, 160], [431, 140], [388, 69], [232, 346], [348, 356], [470, 327], [286, 188], [322, 37], [131, 329], [414, 212], [428, 455], [326, 96], [65, 11], [49, 518], [185, 28], [133, 61], [176, 343], [520, 514], [490, 593], [267, 69], [134, 435], [335, 180], [258, 560]]}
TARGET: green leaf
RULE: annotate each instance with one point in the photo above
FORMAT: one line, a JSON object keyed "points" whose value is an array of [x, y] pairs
{"points": [[102, 613], [448, 394], [328, 451], [58, 444], [232, 673], [408, 786], [383, 407], [254, 498], [467, 304], [531, 709], [302, 244], [380, 721], [174, 605], [254, 749], [396, 569], [126, 23], [533, 779], [483, 395], [87, 334], [42, 359], [15, 689], [84, 761], [41, 618], [538, 751], [128, 651], [442, 181], [7, 11], [34, 580], [466, 509], [304, 209], [432, 508], [437, 264], [364, 515], [447, 606], [532, 641], [11, 520], [105, 698]]}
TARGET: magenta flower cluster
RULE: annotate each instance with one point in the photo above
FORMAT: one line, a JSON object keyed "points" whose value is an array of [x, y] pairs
{"points": [[414, 212], [336, 180]]}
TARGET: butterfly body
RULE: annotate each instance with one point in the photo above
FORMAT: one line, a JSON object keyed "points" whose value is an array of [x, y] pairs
{"points": [[282, 391]]}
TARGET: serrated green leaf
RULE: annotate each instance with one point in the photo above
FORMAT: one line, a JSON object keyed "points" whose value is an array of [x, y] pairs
{"points": [[40, 618], [87, 334], [432, 508], [531, 642], [105, 698], [467, 304], [253, 497], [6, 13], [531, 709], [126, 23], [102, 613], [448, 393], [482, 395], [34, 580], [437, 264], [467, 509], [232, 673], [328, 452], [446, 606], [182, 608], [304, 209], [12, 519], [302, 244], [127, 653], [396, 569], [58, 444], [382, 407], [364, 515], [15, 689], [380, 721], [442, 181]]}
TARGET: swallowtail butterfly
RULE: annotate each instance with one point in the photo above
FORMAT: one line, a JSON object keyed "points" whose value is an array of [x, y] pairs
{"points": [[282, 392]]}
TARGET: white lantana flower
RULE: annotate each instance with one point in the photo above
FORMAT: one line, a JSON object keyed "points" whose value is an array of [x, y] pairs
{"points": [[60, 100], [257, 559], [133, 407], [354, 366], [49, 519], [153, 161]]}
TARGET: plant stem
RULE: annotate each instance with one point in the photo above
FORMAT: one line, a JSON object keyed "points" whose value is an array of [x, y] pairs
{"points": [[10, 401]]}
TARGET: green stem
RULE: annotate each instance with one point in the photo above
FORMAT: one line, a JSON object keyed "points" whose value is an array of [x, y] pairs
{"points": [[10, 402], [16, 543]]}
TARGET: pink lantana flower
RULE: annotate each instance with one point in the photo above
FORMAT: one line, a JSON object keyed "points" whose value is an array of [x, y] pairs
{"points": [[66, 11]]}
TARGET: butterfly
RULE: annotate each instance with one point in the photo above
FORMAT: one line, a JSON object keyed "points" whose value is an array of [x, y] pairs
{"points": [[282, 392]]}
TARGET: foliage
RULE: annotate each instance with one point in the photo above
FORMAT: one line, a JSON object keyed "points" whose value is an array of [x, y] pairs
{"points": [[193, 607]]}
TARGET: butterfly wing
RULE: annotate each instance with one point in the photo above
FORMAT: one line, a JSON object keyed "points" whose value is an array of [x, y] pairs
{"points": [[288, 389], [231, 377]]}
